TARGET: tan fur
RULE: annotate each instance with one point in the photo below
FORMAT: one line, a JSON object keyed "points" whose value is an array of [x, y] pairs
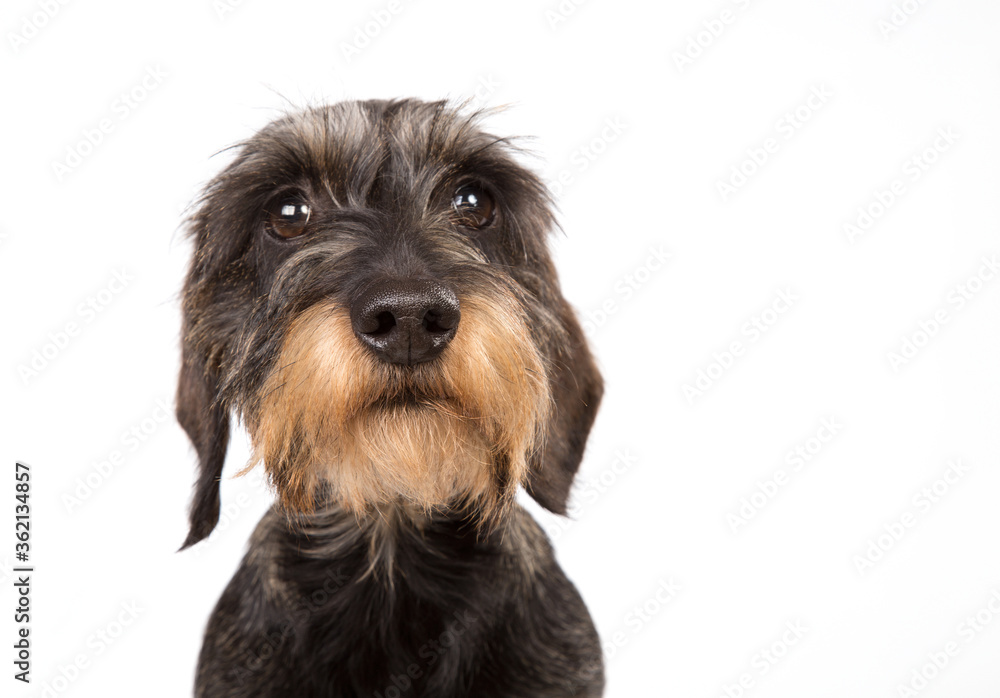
{"points": [[332, 416]]}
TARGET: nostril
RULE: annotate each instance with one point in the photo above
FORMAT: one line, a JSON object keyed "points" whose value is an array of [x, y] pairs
{"points": [[385, 321], [436, 323]]}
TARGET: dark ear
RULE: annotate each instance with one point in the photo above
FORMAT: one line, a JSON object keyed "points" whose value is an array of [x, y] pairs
{"points": [[207, 425], [577, 388]]}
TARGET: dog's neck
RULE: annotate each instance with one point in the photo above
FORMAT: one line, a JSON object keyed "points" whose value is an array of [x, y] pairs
{"points": [[383, 529]]}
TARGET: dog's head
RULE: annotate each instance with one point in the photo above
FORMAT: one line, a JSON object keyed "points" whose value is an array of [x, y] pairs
{"points": [[371, 293]]}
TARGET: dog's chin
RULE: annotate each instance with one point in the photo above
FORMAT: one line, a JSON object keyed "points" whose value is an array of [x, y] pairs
{"points": [[425, 452]]}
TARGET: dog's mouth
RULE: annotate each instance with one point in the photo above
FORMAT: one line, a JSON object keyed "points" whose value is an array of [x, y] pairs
{"points": [[412, 399], [422, 387]]}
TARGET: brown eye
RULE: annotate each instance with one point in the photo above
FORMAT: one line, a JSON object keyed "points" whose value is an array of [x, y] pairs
{"points": [[289, 217], [473, 206]]}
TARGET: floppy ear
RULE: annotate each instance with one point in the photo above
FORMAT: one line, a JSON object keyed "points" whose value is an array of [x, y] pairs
{"points": [[577, 388], [207, 425]]}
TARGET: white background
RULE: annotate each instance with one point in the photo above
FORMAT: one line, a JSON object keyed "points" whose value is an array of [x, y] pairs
{"points": [[662, 519]]}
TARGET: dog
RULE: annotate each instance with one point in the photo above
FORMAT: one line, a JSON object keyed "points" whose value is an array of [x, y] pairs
{"points": [[372, 296]]}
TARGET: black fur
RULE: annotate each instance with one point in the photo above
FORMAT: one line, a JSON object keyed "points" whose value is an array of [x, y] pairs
{"points": [[440, 614]]}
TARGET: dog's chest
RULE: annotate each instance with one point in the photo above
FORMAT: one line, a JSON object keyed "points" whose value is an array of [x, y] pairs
{"points": [[395, 613]]}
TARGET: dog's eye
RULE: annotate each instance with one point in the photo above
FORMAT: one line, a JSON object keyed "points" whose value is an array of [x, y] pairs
{"points": [[473, 206], [289, 217]]}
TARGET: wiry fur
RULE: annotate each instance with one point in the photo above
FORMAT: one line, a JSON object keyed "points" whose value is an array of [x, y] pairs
{"points": [[458, 430], [396, 481]]}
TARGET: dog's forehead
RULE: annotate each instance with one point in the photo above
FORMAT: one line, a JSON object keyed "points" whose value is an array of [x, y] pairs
{"points": [[349, 144]]}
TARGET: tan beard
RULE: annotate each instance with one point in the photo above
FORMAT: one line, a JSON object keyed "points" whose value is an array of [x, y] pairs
{"points": [[459, 430]]}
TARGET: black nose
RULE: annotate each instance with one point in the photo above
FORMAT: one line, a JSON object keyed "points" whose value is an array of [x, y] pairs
{"points": [[406, 322]]}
